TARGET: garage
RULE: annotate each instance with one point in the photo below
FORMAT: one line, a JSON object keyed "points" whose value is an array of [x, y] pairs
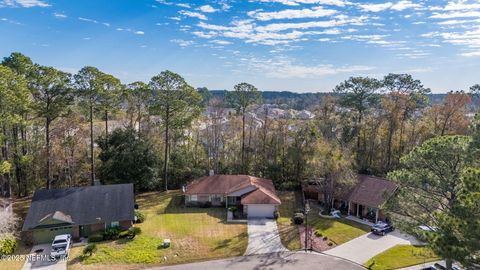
{"points": [[46, 235], [260, 210]]}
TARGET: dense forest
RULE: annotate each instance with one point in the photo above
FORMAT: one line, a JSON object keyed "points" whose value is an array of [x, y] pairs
{"points": [[60, 129]]}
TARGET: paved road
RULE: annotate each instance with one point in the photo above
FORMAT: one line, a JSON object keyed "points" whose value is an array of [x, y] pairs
{"points": [[362, 248], [41, 261], [421, 266], [263, 237], [273, 261]]}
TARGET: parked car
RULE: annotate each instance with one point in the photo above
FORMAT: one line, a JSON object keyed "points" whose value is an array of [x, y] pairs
{"points": [[335, 213], [382, 228], [60, 246]]}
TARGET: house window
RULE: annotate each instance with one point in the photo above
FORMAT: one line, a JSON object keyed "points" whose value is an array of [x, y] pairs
{"points": [[114, 224], [216, 198], [193, 198]]}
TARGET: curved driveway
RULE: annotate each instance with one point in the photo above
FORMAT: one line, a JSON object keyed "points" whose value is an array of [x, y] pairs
{"points": [[273, 261], [362, 248]]}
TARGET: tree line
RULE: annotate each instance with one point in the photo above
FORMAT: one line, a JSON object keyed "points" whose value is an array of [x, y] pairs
{"points": [[59, 129]]}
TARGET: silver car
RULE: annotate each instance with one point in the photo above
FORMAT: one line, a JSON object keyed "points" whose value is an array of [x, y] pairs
{"points": [[60, 246]]}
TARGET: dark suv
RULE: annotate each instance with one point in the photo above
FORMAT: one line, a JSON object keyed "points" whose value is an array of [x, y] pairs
{"points": [[382, 228]]}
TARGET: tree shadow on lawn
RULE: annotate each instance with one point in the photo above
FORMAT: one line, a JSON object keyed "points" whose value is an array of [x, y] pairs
{"points": [[234, 244], [288, 233], [267, 261]]}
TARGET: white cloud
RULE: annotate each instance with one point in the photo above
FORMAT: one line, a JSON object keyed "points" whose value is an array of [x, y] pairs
{"points": [[207, 9], [456, 14], [285, 68], [402, 5], [221, 42], [461, 5], [184, 5], [316, 12], [59, 15], [182, 43], [376, 7], [9, 21], [130, 30], [399, 6], [340, 3], [201, 34], [164, 2], [26, 3], [193, 14], [471, 54]]}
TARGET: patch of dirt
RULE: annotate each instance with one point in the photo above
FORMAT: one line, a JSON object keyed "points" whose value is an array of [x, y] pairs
{"points": [[314, 242]]}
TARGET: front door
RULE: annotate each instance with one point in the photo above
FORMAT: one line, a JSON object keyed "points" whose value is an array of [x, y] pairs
{"points": [[84, 230]]}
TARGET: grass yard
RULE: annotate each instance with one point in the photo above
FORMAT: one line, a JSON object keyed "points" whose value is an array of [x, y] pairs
{"points": [[401, 256], [196, 234], [288, 231], [338, 231]]}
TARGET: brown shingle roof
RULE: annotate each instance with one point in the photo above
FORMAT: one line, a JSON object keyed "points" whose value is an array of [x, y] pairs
{"points": [[264, 193], [372, 191]]}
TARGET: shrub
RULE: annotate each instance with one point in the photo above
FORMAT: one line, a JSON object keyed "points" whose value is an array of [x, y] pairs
{"points": [[123, 234], [299, 210], [133, 231], [275, 214], [90, 249], [140, 217], [207, 205], [298, 218], [96, 237], [330, 244], [8, 246], [111, 233], [233, 209], [318, 233], [325, 238]]}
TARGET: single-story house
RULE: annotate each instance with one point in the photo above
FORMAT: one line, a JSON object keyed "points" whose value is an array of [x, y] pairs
{"points": [[364, 199], [79, 211], [256, 196]]}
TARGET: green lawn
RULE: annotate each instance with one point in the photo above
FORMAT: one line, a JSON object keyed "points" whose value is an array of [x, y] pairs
{"points": [[196, 234], [338, 231], [401, 256], [289, 232]]}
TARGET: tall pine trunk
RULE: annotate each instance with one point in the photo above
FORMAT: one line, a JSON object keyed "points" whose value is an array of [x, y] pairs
{"points": [[106, 124], [92, 157], [165, 154], [23, 134], [243, 141], [49, 161]]}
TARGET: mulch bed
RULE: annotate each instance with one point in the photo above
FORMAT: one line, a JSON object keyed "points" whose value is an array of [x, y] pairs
{"points": [[314, 242]]}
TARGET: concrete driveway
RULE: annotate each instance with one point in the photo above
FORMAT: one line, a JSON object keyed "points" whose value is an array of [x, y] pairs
{"points": [[42, 261], [263, 237], [362, 248], [272, 261]]}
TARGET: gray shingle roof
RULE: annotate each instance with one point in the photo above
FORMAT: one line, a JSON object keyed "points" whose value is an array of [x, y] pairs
{"points": [[85, 205]]}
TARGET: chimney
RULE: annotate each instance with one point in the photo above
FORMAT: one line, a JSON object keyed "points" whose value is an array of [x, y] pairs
{"points": [[211, 173]]}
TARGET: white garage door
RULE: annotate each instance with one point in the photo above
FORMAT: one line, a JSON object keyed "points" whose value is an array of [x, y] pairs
{"points": [[260, 210]]}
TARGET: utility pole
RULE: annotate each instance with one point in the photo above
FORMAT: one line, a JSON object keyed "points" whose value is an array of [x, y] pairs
{"points": [[307, 209]]}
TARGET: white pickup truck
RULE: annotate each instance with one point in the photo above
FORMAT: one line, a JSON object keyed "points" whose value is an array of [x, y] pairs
{"points": [[60, 245]]}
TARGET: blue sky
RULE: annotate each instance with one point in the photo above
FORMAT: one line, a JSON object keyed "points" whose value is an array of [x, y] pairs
{"points": [[294, 45]]}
